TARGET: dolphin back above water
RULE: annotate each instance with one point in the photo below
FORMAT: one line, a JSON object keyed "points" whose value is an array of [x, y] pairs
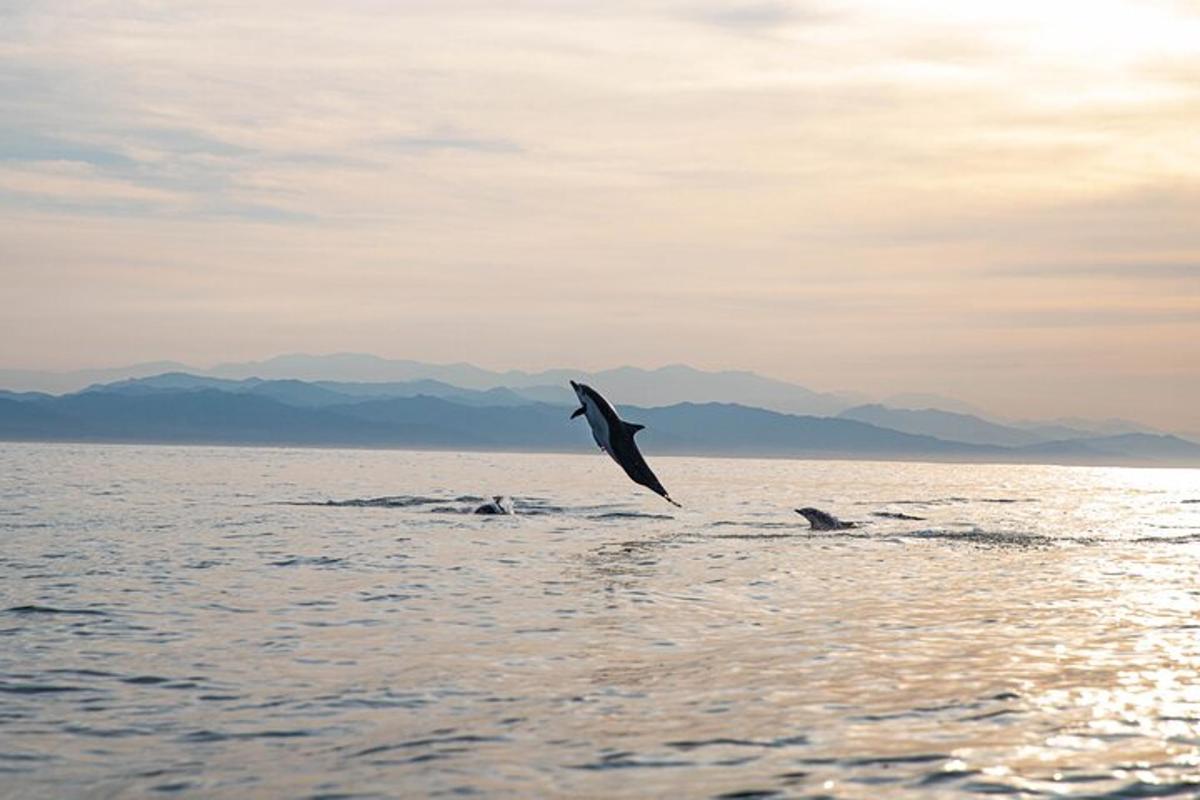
{"points": [[615, 437], [499, 504]]}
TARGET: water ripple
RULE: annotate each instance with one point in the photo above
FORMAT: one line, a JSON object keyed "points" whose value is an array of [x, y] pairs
{"points": [[168, 628]]}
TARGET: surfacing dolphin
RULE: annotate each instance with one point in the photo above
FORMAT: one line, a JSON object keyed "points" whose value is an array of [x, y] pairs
{"points": [[615, 437], [499, 504], [819, 520]]}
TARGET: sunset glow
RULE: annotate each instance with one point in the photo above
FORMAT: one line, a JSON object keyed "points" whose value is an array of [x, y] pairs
{"points": [[997, 202]]}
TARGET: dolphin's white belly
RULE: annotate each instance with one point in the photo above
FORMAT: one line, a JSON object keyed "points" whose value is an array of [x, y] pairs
{"points": [[598, 424]]}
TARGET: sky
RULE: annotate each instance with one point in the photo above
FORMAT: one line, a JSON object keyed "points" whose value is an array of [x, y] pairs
{"points": [[998, 202]]}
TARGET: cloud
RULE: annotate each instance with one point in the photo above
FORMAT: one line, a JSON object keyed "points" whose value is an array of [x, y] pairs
{"points": [[448, 141], [75, 181], [885, 196], [757, 16], [1132, 271], [27, 145]]}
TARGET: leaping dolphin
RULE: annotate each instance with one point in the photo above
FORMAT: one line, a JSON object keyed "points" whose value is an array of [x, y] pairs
{"points": [[615, 437]]}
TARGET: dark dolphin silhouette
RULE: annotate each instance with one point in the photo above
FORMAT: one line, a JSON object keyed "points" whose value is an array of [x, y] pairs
{"points": [[821, 521], [499, 505], [615, 437]]}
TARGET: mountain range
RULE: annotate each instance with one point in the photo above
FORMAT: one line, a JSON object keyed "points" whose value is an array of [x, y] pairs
{"points": [[419, 411], [667, 385], [675, 383]]}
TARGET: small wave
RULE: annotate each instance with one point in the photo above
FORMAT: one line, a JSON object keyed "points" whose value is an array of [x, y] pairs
{"points": [[462, 504], [805, 534], [387, 700], [33, 609], [205, 564], [783, 741], [955, 500], [158, 680], [629, 515], [1185, 539], [766, 526], [227, 609], [39, 688], [797, 532], [918, 712], [630, 761], [203, 736], [1187, 502], [388, 596], [171, 788], [1003, 712], [888, 761], [539, 505], [978, 536], [314, 561], [945, 775], [449, 510], [390, 501], [1142, 789], [467, 504], [432, 741], [104, 733], [897, 515], [25, 757], [779, 530]]}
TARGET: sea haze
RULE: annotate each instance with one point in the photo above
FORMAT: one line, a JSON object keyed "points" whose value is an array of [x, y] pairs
{"points": [[240, 622]]}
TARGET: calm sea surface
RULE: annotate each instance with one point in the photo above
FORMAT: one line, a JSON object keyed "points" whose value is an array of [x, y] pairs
{"points": [[202, 622]]}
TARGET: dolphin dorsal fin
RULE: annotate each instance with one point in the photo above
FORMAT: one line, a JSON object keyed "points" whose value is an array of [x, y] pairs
{"points": [[632, 427]]}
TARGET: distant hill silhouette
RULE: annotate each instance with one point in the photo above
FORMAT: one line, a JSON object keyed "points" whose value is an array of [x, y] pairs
{"points": [[1125, 446], [327, 393], [917, 401], [23, 380], [662, 386], [1094, 427], [183, 408], [728, 428], [212, 416], [363, 375], [945, 424]]}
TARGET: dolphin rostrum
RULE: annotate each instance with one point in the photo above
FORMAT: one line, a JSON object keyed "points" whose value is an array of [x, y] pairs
{"points": [[615, 437]]}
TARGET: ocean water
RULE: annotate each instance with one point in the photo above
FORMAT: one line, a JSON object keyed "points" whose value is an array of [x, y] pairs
{"points": [[239, 622]]}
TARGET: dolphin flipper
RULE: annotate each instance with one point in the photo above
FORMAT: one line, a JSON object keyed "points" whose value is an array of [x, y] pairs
{"points": [[578, 412]]}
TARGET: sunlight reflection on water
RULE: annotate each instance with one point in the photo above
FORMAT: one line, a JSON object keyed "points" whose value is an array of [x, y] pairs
{"points": [[200, 622]]}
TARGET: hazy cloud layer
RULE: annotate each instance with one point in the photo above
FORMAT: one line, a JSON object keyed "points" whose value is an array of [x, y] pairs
{"points": [[994, 202]]}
